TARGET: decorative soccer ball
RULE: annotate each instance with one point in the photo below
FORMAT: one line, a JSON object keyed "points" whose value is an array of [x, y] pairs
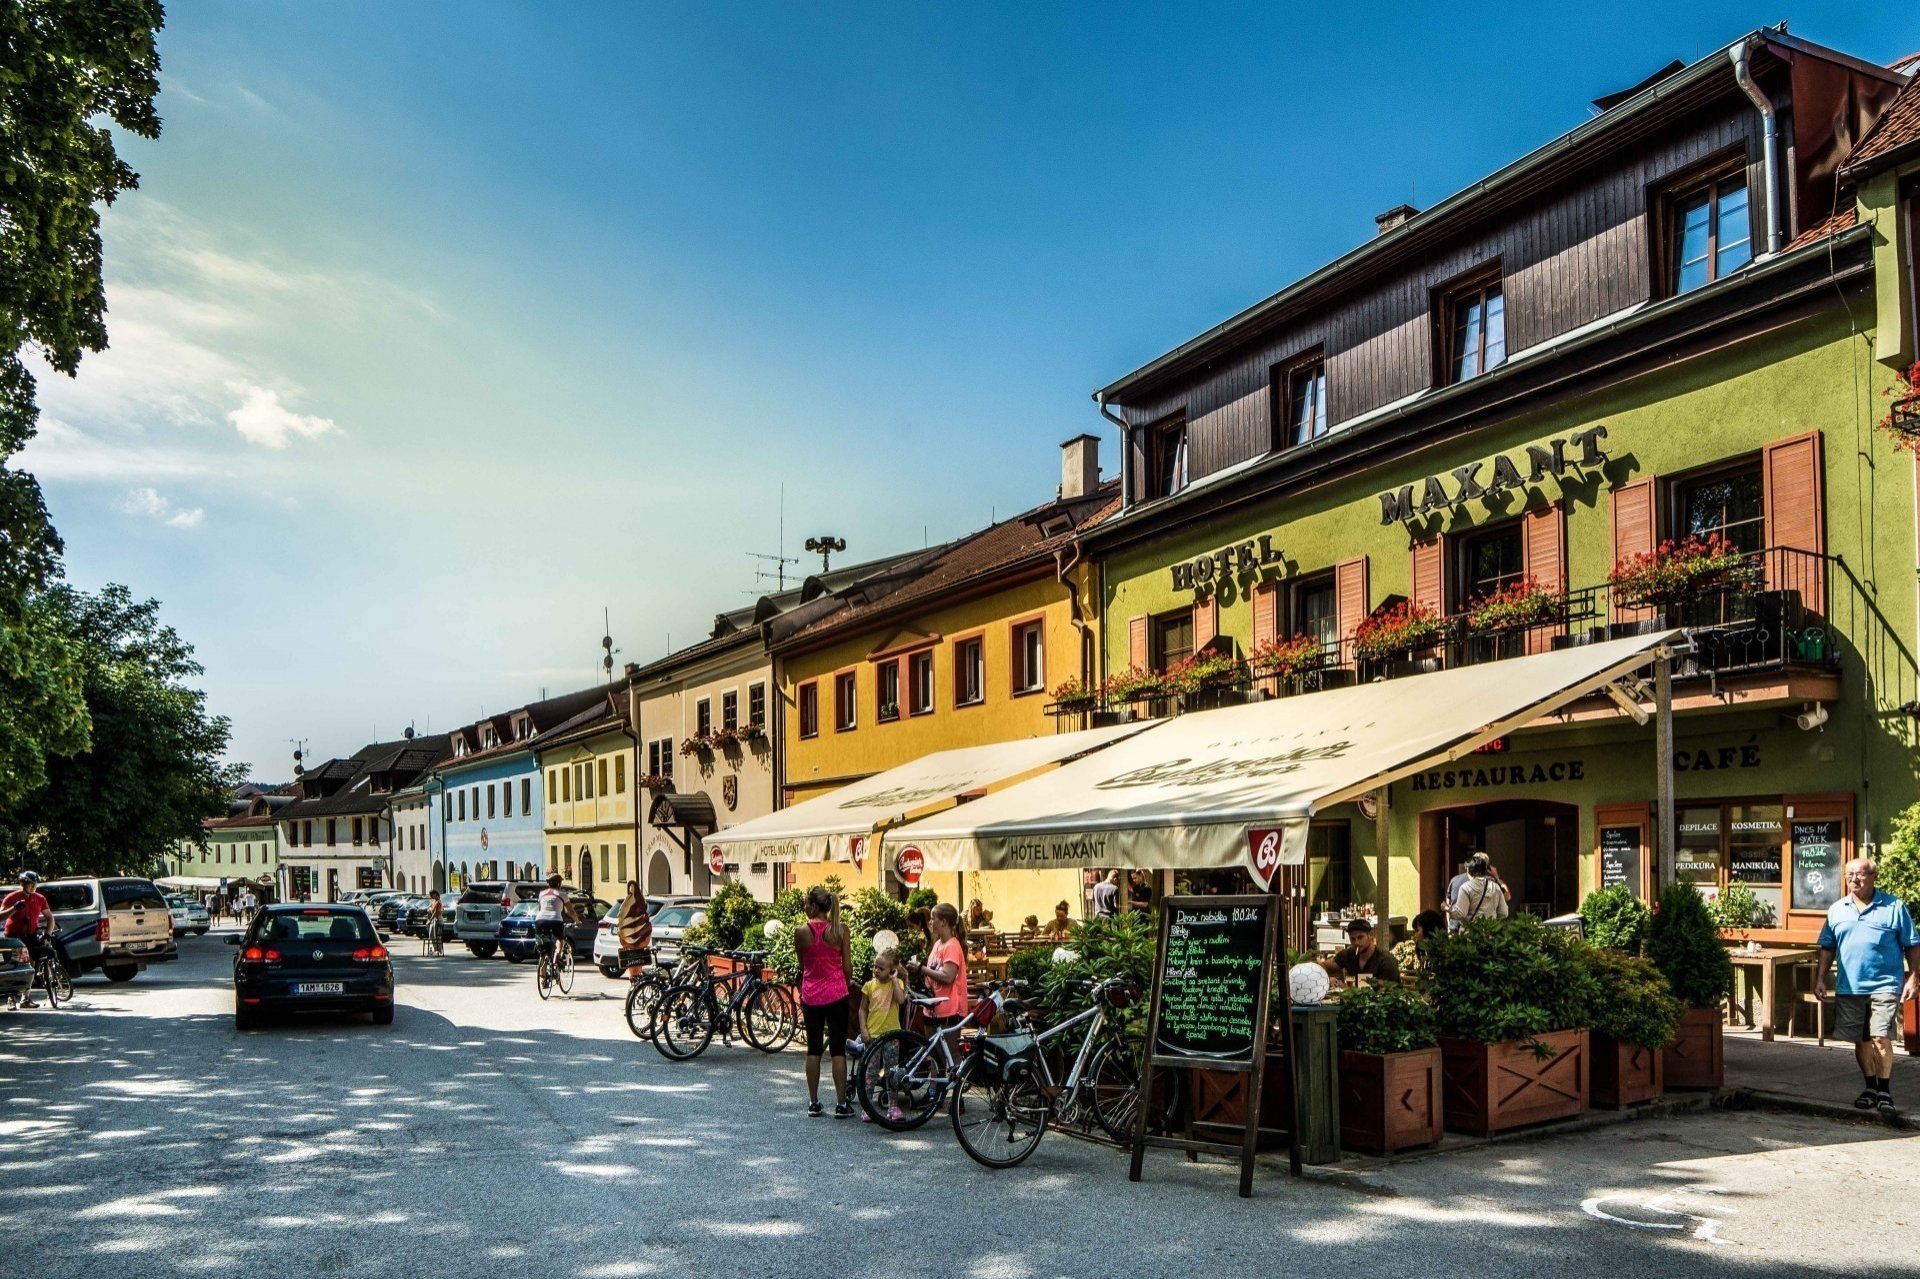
{"points": [[1308, 983]]}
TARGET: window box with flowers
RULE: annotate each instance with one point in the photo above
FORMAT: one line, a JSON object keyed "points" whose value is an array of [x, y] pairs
{"points": [[1132, 684], [1075, 697], [1287, 657], [751, 733], [1199, 672], [1678, 572], [1400, 631], [1518, 605], [655, 781], [722, 739], [1902, 420], [698, 744]]}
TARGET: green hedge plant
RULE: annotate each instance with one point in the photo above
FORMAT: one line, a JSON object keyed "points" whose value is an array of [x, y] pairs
{"points": [[1635, 1004], [1685, 946], [734, 917], [1899, 861], [1504, 980], [1615, 919], [1386, 1018]]}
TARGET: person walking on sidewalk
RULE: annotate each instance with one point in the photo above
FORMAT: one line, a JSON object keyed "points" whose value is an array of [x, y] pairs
{"points": [[1871, 933], [825, 969]]}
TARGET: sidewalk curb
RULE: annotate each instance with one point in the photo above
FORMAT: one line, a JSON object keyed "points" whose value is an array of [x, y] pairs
{"points": [[1762, 1099]]}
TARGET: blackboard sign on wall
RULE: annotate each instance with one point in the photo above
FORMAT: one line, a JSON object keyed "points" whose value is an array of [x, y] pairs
{"points": [[1210, 981], [1620, 857], [1817, 879]]}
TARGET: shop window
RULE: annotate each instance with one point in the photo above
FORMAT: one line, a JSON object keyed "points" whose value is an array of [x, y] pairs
{"points": [[1172, 638], [1697, 860], [730, 709], [1490, 561], [846, 702], [807, 700], [1316, 611], [757, 704], [887, 695], [1729, 503], [1473, 328], [1709, 230], [1300, 400], [1029, 658], [1755, 835], [920, 684], [1166, 457], [969, 672]]}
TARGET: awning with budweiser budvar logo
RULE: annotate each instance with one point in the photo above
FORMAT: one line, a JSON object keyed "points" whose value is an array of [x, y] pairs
{"points": [[1238, 786], [840, 825]]}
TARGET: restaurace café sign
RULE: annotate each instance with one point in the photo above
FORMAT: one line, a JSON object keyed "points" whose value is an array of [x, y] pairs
{"points": [[1577, 452]]}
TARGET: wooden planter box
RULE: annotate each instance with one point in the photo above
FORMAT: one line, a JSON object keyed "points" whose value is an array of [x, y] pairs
{"points": [[1624, 1074], [1697, 1057], [1489, 1088], [1389, 1101]]}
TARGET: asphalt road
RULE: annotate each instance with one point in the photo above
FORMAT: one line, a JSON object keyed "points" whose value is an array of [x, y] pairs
{"points": [[488, 1134]]}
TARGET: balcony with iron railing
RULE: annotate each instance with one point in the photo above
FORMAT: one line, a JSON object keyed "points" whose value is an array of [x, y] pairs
{"points": [[1752, 614]]}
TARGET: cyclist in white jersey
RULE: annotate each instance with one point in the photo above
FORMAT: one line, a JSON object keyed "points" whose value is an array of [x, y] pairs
{"points": [[551, 916]]}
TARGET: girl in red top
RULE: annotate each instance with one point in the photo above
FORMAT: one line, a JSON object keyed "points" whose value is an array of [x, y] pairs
{"points": [[824, 966]]}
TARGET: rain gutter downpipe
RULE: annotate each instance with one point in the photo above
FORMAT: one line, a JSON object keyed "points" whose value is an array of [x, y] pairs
{"points": [[1770, 139], [1126, 450]]}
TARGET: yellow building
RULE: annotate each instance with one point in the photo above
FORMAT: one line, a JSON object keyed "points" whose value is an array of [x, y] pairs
{"points": [[590, 790], [241, 845], [958, 646]]}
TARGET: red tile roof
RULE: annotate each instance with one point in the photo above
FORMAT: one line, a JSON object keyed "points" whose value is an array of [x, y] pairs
{"points": [[1844, 218], [1897, 129]]}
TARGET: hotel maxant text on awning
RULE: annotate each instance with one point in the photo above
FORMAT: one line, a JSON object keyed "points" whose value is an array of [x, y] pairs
{"points": [[1206, 790]]}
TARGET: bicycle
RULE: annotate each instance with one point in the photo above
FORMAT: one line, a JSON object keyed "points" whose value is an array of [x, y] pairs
{"points": [[553, 966], [646, 990], [51, 975], [435, 942], [691, 1013], [1005, 1094], [903, 1075]]}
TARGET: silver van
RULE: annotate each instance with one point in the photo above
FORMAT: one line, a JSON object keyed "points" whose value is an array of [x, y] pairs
{"points": [[118, 924]]}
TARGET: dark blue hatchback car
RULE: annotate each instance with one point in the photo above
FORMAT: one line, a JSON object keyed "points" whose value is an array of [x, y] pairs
{"points": [[516, 929], [311, 959]]}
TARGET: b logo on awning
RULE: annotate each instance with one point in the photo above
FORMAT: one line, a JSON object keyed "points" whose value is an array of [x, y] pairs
{"points": [[1263, 847]]}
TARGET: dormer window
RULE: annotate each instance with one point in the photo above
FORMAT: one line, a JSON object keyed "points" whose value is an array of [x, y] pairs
{"points": [[522, 728], [1166, 457], [459, 747], [1472, 332], [488, 738]]}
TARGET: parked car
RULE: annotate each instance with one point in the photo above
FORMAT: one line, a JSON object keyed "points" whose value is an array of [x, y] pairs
{"points": [[307, 958], [411, 917], [669, 922], [385, 907], [16, 970], [516, 929], [189, 915], [118, 924], [477, 915]]}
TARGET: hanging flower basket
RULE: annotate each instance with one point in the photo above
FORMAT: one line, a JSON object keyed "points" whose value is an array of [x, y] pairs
{"points": [[1202, 670], [723, 738], [1523, 603], [1902, 420], [698, 744], [1132, 684], [1398, 631], [654, 781], [1287, 657], [1075, 695], [1675, 572], [754, 732]]}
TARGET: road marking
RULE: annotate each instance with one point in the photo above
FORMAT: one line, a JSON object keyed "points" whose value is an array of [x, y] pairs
{"points": [[1705, 1226]]}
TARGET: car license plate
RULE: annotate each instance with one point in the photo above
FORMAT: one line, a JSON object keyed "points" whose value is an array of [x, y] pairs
{"points": [[320, 988]]}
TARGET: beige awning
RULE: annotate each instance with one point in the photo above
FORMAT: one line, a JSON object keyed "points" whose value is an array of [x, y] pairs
{"points": [[821, 829], [1191, 794]]}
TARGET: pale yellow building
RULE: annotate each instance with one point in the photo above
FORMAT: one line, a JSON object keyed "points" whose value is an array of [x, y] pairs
{"points": [[593, 799]]}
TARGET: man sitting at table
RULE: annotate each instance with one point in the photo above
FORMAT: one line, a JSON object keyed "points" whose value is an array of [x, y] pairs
{"points": [[1360, 957]]}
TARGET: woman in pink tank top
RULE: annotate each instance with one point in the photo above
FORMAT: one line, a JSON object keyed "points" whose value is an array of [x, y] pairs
{"points": [[824, 964]]}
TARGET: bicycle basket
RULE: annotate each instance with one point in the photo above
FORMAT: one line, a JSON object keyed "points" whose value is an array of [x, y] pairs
{"points": [[1003, 1058]]}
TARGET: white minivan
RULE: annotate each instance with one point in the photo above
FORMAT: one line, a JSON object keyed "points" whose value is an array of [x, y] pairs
{"points": [[118, 924]]}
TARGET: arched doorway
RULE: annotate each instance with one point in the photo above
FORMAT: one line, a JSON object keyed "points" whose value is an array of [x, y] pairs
{"points": [[439, 877], [659, 874], [1534, 844], [586, 870]]}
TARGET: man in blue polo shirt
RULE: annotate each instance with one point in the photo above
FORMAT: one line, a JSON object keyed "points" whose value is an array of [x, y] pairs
{"points": [[1873, 933]]}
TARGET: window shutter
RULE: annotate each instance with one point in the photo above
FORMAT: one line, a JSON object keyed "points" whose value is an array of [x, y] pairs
{"points": [[1429, 575], [1137, 642], [1543, 542], [1206, 621], [1351, 600], [1791, 477], [1632, 534], [1266, 612]]}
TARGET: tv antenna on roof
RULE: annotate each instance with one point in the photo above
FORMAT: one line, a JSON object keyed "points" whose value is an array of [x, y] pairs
{"points": [[606, 643], [779, 559]]}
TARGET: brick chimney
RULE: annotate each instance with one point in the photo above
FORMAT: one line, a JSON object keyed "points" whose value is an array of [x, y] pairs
{"points": [[1079, 466], [1394, 217]]}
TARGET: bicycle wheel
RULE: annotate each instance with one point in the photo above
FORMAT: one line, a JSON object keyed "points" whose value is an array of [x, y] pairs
{"points": [[563, 968], [683, 1027], [1113, 1091], [543, 976], [899, 1081], [999, 1124], [62, 983], [770, 1020], [643, 1001]]}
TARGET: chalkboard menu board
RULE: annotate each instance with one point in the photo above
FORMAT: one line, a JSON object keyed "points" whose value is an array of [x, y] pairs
{"points": [[1620, 857], [1210, 981], [1817, 879]]}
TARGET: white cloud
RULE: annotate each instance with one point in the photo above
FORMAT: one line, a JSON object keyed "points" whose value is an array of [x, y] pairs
{"points": [[61, 451], [262, 419], [149, 503]]}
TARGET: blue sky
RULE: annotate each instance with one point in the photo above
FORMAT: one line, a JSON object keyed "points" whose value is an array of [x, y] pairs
{"points": [[438, 328]]}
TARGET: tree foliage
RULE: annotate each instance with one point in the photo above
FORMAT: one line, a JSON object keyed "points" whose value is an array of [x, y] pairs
{"points": [[43, 710], [64, 69], [151, 769], [1899, 863]]}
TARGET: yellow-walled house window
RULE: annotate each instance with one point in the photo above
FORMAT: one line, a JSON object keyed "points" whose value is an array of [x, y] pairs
{"points": [[620, 776], [553, 785], [621, 852], [603, 777], [566, 785]]}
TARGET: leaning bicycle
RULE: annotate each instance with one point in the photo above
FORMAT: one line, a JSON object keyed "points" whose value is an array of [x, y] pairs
{"points": [[691, 1014], [903, 1075], [1005, 1094], [646, 990]]}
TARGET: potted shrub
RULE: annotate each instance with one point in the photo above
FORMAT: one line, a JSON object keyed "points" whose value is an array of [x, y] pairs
{"points": [[1675, 572], [1389, 1069], [1634, 1018], [1512, 1001], [1900, 875], [1398, 631], [1523, 603], [754, 732], [654, 781], [1615, 919], [1736, 910], [1685, 946], [723, 739]]}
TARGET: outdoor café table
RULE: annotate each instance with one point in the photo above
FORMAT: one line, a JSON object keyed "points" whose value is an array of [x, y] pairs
{"points": [[1769, 962]]}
